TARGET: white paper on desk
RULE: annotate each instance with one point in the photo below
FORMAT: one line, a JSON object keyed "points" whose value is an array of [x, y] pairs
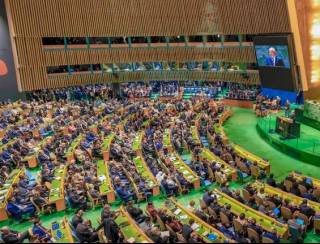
{"points": [[131, 240], [182, 217], [194, 226], [165, 234], [177, 211], [215, 196], [102, 178]]}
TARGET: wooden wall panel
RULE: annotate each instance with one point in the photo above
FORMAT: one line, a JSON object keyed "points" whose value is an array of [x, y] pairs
{"points": [[304, 11], [77, 18], [34, 19], [232, 54], [61, 81]]}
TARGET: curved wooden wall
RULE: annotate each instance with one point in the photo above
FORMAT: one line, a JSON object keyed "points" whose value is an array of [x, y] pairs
{"points": [[53, 58], [77, 79], [34, 19]]}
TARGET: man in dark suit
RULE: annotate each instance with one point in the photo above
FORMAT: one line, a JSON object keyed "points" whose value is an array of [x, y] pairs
{"points": [[306, 210], [252, 224], [86, 233], [135, 212], [274, 60], [111, 228], [11, 236], [77, 219], [207, 198], [187, 230], [272, 235]]}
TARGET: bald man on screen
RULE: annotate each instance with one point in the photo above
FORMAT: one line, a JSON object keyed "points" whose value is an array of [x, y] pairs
{"points": [[273, 59]]}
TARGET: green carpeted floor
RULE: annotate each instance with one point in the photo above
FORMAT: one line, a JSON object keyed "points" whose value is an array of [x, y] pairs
{"points": [[245, 135]]}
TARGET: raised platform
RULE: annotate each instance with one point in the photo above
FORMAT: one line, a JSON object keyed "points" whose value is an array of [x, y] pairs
{"points": [[306, 148]]}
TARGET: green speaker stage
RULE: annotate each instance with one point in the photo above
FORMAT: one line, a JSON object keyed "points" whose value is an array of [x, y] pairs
{"points": [[306, 148]]}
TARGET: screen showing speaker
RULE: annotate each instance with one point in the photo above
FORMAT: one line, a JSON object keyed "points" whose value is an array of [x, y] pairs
{"points": [[275, 56]]}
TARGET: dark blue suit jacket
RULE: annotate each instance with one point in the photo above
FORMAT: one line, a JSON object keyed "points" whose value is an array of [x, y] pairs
{"points": [[279, 62]]}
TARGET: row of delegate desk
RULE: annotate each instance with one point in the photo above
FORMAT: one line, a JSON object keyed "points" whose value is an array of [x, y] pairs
{"points": [[56, 194], [237, 208], [32, 158], [262, 164], [209, 156], [176, 161], [132, 232], [6, 191], [206, 154], [207, 232], [296, 200], [106, 188], [129, 228], [300, 177], [140, 164], [57, 191]]}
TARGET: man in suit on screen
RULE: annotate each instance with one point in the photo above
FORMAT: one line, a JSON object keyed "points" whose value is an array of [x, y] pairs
{"points": [[273, 59]]}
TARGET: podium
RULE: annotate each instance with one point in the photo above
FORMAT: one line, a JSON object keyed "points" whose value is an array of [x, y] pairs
{"points": [[287, 128]]}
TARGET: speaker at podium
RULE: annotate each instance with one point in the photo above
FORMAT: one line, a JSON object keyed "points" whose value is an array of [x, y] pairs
{"points": [[288, 128]]}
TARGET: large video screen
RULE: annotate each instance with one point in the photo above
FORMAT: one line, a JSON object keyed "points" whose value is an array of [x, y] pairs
{"points": [[275, 57]]}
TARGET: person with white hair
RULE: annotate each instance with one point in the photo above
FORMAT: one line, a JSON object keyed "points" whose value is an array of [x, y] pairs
{"points": [[274, 59]]}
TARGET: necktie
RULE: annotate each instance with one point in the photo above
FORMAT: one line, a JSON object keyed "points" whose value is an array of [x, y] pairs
{"points": [[274, 61]]}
